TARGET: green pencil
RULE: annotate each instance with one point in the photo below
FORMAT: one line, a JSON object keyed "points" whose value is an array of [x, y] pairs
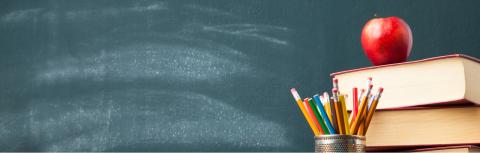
{"points": [[317, 114]]}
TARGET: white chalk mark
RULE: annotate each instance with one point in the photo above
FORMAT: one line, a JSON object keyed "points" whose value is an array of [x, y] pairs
{"points": [[209, 10], [207, 121], [150, 7], [250, 31], [31, 14], [146, 61], [252, 26], [21, 15]]}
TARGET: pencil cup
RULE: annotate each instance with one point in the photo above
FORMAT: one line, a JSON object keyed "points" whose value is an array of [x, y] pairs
{"points": [[339, 143]]}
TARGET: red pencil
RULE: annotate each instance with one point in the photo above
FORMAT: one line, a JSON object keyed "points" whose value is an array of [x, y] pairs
{"points": [[355, 102], [312, 115]]}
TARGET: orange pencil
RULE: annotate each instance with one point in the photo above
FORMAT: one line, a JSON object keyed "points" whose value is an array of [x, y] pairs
{"points": [[333, 112], [296, 96]]}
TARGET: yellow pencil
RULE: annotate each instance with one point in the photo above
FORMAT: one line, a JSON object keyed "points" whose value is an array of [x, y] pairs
{"points": [[327, 106], [360, 97], [361, 129], [350, 120], [345, 113], [338, 112], [363, 106], [372, 109], [305, 114]]}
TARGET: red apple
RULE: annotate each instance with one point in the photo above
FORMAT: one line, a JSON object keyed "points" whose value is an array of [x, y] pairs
{"points": [[387, 40]]}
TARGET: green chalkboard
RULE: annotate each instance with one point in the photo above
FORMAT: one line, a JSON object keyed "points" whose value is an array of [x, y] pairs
{"points": [[184, 75]]}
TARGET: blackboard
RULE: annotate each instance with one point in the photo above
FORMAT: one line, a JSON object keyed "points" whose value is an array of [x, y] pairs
{"points": [[184, 75]]}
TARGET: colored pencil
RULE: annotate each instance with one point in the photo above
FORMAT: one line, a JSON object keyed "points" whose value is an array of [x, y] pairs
{"points": [[323, 113], [361, 128], [328, 115], [364, 114], [338, 112], [362, 91], [350, 119], [319, 118], [358, 120], [370, 101], [345, 113], [296, 96], [355, 102], [327, 106], [333, 113], [372, 109], [312, 115]]}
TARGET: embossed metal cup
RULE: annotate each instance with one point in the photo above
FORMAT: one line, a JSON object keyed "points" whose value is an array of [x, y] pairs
{"points": [[339, 143]]}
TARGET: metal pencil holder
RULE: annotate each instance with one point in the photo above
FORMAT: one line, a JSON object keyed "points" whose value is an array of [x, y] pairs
{"points": [[339, 143]]}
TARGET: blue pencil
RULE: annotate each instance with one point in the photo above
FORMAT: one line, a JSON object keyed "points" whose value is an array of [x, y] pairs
{"points": [[320, 108]]}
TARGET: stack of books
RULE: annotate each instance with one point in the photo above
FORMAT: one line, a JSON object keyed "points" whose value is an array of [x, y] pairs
{"points": [[428, 105]]}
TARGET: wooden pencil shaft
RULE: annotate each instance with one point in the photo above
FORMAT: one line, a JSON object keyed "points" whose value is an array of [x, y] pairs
{"points": [[309, 120], [370, 115], [333, 114], [372, 110], [339, 115], [357, 121], [344, 114], [317, 118]]}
